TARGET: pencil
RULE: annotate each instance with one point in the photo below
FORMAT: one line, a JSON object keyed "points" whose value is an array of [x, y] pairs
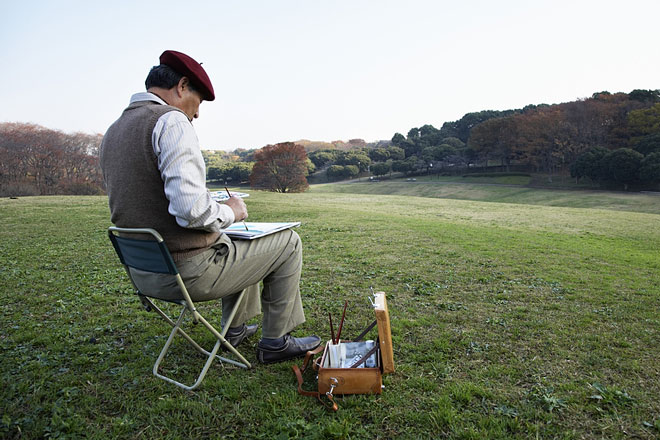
{"points": [[229, 194], [341, 323]]}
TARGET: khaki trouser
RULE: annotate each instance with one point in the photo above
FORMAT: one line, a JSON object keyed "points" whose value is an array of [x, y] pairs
{"points": [[231, 266]]}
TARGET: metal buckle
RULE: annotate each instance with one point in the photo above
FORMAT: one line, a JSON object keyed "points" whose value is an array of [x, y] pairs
{"points": [[333, 384]]}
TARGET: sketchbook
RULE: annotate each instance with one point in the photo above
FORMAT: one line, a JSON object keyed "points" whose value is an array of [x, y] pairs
{"points": [[222, 196], [256, 230]]}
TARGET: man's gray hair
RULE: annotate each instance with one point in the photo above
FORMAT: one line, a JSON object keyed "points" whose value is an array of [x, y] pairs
{"points": [[162, 76]]}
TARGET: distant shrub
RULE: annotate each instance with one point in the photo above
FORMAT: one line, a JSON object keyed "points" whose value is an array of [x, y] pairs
{"points": [[16, 189], [336, 172], [79, 189]]}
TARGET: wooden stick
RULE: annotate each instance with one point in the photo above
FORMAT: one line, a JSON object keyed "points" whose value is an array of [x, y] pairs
{"points": [[341, 323]]}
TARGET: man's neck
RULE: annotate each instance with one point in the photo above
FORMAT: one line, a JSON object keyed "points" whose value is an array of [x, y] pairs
{"points": [[163, 94]]}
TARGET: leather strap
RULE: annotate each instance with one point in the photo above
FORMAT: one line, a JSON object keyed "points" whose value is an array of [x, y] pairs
{"points": [[309, 355], [299, 372]]}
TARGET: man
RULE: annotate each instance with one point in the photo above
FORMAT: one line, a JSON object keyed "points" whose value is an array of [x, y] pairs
{"points": [[155, 177]]}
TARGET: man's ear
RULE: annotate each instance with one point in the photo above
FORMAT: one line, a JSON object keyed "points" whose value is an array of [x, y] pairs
{"points": [[184, 83]]}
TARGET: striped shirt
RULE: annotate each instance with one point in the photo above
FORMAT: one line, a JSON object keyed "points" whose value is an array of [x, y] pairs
{"points": [[183, 171]]}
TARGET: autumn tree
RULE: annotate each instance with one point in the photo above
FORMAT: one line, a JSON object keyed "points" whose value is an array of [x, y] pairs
{"points": [[37, 160], [357, 142], [546, 139], [589, 120], [496, 139], [280, 168]]}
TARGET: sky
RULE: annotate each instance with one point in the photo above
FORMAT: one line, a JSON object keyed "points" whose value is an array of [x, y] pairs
{"points": [[286, 70]]}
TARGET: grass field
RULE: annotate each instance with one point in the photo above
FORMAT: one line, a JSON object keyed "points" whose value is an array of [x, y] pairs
{"points": [[496, 190], [516, 313]]}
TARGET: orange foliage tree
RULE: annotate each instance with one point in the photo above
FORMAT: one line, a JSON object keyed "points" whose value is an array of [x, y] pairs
{"points": [[37, 160], [280, 168]]}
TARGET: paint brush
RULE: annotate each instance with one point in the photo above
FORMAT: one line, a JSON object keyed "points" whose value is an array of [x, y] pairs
{"points": [[341, 323], [229, 194]]}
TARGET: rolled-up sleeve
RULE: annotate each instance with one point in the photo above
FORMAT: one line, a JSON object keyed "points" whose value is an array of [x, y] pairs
{"points": [[183, 172]]}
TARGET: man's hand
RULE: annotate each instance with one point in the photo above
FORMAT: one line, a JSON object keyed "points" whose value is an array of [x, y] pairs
{"points": [[238, 206]]}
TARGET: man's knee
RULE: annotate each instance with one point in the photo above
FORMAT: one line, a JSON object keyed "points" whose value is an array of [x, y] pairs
{"points": [[295, 239], [296, 244]]}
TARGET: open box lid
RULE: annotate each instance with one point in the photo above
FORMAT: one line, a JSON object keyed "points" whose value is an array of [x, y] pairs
{"points": [[384, 332]]}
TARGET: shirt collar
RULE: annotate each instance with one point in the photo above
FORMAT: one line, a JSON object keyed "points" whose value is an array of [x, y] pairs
{"points": [[146, 96]]}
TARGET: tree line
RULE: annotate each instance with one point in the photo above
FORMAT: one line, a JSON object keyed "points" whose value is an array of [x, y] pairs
{"points": [[559, 138], [609, 138], [612, 139], [35, 160], [598, 137]]}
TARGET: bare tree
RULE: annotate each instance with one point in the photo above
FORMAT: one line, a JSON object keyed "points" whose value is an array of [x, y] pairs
{"points": [[38, 160]]}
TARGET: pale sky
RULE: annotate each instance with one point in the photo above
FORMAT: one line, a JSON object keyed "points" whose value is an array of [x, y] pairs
{"points": [[285, 70]]}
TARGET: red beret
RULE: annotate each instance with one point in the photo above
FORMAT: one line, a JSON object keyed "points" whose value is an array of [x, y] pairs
{"points": [[186, 66]]}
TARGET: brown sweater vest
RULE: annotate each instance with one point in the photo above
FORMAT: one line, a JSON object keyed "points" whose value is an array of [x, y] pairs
{"points": [[135, 189]]}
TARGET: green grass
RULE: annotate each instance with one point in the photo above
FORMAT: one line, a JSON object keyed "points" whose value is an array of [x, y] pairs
{"points": [[493, 179], [455, 188], [514, 315]]}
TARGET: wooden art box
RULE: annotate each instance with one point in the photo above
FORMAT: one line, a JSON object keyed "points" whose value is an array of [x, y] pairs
{"points": [[353, 367]]}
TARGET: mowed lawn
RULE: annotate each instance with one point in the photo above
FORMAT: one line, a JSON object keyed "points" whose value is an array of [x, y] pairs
{"points": [[509, 320]]}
